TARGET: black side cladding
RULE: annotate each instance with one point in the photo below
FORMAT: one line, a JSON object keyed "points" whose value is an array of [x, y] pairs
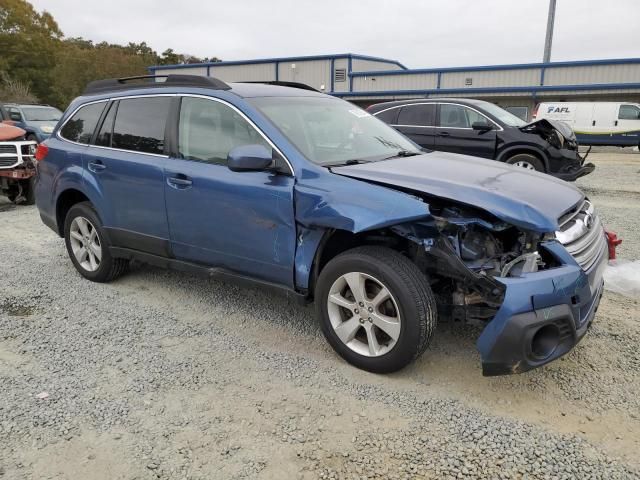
{"points": [[127, 83]]}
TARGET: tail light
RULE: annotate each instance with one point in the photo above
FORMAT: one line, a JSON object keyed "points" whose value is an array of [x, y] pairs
{"points": [[612, 241], [535, 112], [41, 152]]}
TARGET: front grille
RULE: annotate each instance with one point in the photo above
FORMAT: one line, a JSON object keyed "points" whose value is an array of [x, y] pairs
{"points": [[582, 234], [8, 149], [8, 162]]}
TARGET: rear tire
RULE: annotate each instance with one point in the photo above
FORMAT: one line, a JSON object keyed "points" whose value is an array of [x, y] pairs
{"points": [[528, 161], [32, 138], [393, 293], [88, 246]]}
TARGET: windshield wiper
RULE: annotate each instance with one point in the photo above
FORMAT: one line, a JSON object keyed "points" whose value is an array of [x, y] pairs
{"points": [[402, 153], [353, 161]]}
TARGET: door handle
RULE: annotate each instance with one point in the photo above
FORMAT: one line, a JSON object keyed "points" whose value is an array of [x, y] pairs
{"points": [[443, 134], [96, 166], [616, 123], [179, 181]]}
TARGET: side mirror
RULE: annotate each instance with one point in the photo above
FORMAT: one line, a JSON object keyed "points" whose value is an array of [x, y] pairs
{"points": [[249, 158], [15, 116], [481, 126]]}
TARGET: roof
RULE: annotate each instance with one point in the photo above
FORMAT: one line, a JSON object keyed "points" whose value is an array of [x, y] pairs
{"points": [[250, 90], [303, 58], [469, 101]]}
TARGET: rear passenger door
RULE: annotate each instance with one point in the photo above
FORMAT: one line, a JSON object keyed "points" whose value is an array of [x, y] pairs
{"points": [[417, 121], [241, 222], [125, 165], [455, 133]]}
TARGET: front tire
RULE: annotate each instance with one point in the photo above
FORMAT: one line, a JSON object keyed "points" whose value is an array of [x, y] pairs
{"points": [[88, 247], [29, 191], [528, 161], [375, 308]]}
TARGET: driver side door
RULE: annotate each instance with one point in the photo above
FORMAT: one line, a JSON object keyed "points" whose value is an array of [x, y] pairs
{"points": [[241, 222]]}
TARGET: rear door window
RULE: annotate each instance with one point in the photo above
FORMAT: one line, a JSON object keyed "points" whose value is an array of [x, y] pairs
{"points": [[140, 123], [79, 128], [421, 115]]}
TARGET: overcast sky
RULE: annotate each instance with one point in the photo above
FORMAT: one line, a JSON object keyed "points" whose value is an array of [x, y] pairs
{"points": [[418, 33]]}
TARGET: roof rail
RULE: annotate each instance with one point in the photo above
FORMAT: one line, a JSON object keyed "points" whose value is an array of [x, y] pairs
{"points": [[302, 86], [126, 83]]}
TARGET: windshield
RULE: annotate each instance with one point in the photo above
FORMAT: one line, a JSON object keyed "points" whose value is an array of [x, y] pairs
{"points": [[330, 131], [41, 114], [501, 114]]}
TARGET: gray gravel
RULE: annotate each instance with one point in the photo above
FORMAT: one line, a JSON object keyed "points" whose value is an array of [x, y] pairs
{"points": [[163, 375]]}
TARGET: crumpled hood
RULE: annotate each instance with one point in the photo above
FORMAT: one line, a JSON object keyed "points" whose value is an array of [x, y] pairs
{"points": [[529, 200], [544, 125], [9, 132]]}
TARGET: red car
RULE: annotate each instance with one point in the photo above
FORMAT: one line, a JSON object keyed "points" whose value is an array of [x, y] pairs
{"points": [[17, 165]]}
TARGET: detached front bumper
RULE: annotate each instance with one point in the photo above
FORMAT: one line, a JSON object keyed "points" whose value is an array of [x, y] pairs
{"points": [[543, 315], [568, 165], [574, 174]]}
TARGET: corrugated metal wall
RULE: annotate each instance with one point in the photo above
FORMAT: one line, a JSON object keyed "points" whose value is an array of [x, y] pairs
{"points": [[316, 73], [417, 81], [255, 72], [360, 65], [493, 78], [579, 75]]}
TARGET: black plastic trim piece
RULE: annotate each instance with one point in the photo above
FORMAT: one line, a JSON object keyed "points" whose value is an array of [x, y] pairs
{"points": [[115, 84], [207, 271], [301, 86], [137, 241]]}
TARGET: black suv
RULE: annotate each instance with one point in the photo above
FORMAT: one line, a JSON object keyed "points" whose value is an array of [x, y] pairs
{"points": [[482, 129]]}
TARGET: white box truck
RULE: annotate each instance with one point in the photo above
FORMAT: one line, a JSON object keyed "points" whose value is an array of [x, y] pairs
{"points": [[596, 123]]}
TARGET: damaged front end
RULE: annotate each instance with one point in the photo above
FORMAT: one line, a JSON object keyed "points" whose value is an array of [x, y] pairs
{"points": [[534, 299], [565, 159]]}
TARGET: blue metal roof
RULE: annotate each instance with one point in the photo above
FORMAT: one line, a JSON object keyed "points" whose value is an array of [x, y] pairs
{"points": [[515, 66]]}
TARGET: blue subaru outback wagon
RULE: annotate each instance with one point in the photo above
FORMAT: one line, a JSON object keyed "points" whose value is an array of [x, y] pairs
{"points": [[294, 190]]}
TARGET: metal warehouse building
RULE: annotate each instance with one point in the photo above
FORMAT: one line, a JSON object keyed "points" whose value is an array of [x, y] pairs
{"points": [[365, 80]]}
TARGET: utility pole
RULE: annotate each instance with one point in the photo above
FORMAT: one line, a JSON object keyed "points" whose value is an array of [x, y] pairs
{"points": [[549, 37]]}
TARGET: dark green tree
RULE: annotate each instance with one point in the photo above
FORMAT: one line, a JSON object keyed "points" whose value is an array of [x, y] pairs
{"points": [[28, 44]]}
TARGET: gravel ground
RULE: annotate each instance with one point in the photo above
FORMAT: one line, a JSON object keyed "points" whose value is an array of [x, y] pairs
{"points": [[163, 375]]}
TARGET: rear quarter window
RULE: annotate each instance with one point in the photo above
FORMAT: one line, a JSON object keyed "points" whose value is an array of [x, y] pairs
{"points": [[79, 128]]}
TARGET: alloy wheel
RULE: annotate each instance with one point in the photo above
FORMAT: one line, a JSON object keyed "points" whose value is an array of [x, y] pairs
{"points": [[363, 313], [85, 244], [524, 164]]}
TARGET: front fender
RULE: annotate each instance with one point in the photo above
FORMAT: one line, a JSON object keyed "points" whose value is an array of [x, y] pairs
{"points": [[341, 203], [353, 205]]}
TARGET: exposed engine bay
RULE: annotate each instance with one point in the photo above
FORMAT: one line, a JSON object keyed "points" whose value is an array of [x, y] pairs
{"points": [[462, 250]]}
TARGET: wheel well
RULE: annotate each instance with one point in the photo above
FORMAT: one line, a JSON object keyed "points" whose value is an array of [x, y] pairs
{"points": [[337, 241], [528, 151], [66, 200]]}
